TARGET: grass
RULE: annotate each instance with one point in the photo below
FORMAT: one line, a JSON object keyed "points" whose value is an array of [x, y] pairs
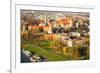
{"points": [[45, 52], [45, 48]]}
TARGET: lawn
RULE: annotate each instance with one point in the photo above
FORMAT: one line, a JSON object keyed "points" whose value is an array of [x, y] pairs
{"points": [[43, 48], [50, 49]]}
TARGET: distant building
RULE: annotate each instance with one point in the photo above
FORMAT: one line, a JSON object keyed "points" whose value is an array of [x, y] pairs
{"points": [[70, 43], [65, 22], [74, 34]]}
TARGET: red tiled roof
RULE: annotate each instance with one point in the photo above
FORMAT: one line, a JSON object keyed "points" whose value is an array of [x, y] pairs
{"points": [[64, 21]]}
